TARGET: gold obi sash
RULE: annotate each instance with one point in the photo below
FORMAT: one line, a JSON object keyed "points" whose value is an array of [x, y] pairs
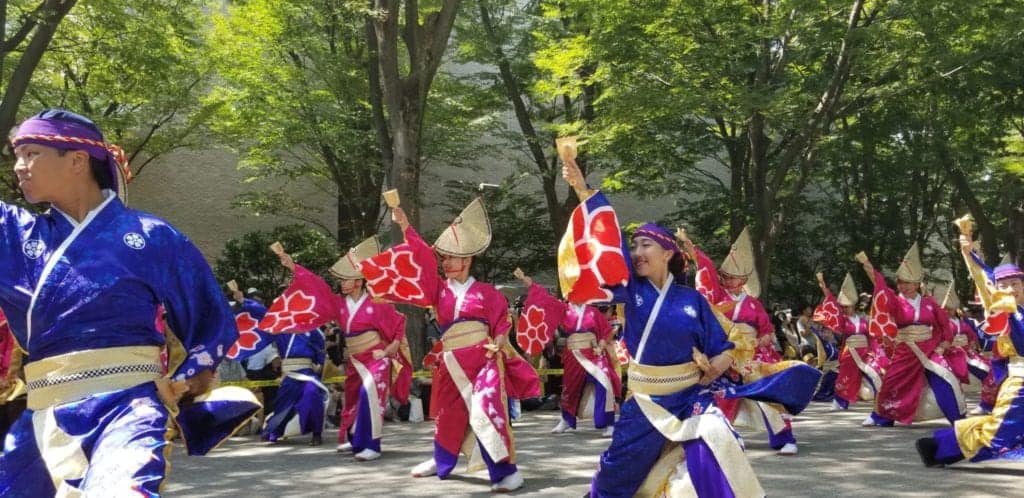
{"points": [[581, 340], [857, 341], [745, 330], [362, 342], [662, 380], [744, 337], [1016, 366], [914, 333], [960, 340], [289, 365], [78, 375], [464, 334]]}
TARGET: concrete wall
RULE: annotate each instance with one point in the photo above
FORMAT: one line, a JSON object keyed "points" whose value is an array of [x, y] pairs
{"points": [[194, 190]]}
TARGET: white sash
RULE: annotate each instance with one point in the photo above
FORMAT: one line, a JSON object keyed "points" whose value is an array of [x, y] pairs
{"points": [[599, 375], [370, 386]]}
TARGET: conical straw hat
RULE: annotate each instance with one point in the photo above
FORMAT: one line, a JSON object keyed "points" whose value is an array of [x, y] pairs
{"points": [[753, 285], [468, 235], [740, 263], [951, 300], [348, 265], [848, 293], [910, 269]]}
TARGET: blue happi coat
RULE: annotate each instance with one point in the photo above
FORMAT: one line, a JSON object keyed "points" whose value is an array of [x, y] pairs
{"points": [[69, 287]]}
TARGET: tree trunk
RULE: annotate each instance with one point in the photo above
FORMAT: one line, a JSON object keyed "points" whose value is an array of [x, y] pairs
{"points": [[546, 170], [985, 228], [405, 100], [51, 13], [775, 207]]}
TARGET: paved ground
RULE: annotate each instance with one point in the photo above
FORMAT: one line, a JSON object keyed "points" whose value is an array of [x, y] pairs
{"points": [[837, 458]]}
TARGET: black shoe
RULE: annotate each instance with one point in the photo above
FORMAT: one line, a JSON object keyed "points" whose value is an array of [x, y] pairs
{"points": [[926, 448], [316, 440]]}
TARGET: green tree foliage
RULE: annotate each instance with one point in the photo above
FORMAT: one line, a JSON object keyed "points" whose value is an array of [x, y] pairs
{"points": [[521, 234], [136, 67], [249, 261], [293, 98], [501, 35], [26, 30], [827, 126]]}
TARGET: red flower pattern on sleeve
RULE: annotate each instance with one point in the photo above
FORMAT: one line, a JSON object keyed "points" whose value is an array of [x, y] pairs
{"points": [[827, 313], [434, 356], [883, 323], [622, 351], [598, 248], [248, 337], [290, 312], [533, 331], [396, 274]]}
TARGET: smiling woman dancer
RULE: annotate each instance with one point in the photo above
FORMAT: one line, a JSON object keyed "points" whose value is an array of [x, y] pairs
{"points": [[81, 285], [670, 437], [479, 371]]}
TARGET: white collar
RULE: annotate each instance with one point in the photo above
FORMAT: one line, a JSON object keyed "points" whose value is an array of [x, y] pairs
{"points": [[460, 290], [916, 303], [107, 196], [738, 298], [354, 304], [579, 309]]}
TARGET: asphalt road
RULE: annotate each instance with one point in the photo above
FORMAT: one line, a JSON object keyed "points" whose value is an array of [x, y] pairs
{"points": [[837, 458]]}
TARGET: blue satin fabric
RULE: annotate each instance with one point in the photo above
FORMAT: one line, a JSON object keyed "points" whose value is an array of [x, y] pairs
{"points": [[309, 345], [297, 398], [684, 321], [105, 289], [636, 444], [1007, 441], [792, 387], [99, 285], [120, 433]]}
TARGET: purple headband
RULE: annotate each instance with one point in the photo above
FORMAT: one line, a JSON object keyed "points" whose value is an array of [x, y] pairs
{"points": [[1009, 270], [658, 234], [66, 130]]}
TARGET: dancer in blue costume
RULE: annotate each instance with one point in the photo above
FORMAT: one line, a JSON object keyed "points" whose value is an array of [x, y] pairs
{"points": [[678, 348], [301, 393], [999, 434], [81, 285]]}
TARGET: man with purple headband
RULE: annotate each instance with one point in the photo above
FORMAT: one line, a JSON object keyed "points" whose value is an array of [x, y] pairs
{"points": [[670, 438], [81, 285], [1001, 433]]}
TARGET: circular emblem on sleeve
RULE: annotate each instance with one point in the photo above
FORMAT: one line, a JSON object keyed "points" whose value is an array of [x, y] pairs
{"points": [[33, 248], [134, 240]]}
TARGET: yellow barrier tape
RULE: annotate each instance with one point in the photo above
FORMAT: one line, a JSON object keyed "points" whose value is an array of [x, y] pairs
{"points": [[250, 384]]}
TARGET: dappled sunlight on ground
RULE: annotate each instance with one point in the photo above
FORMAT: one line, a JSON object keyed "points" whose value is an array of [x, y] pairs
{"points": [[837, 457]]}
